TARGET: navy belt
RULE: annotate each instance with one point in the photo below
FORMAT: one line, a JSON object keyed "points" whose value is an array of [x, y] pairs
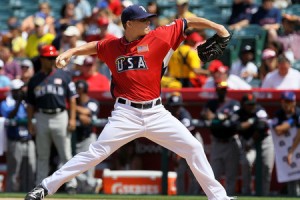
{"points": [[141, 106], [51, 111]]}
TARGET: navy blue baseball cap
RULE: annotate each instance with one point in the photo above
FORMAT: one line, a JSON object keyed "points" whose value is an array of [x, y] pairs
{"points": [[135, 12], [289, 96]]}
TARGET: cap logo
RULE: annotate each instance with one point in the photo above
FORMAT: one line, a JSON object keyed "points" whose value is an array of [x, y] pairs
{"points": [[143, 8]]}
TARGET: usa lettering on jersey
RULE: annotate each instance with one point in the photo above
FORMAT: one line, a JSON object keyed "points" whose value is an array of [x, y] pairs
{"points": [[48, 89], [125, 63]]}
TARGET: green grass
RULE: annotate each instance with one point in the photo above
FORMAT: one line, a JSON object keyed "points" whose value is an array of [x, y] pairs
{"points": [[137, 197]]}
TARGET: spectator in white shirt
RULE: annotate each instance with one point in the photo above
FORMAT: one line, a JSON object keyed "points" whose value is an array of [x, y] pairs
{"points": [[284, 77], [220, 73], [245, 67]]}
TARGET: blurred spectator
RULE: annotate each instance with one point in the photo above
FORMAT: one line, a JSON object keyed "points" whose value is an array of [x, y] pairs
{"points": [[113, 27], [87, 110], [126, 3], [77, 63], [290, 37], [183, 9], [220, 73], [153, 8], [67, 18], [285, 119], [242, 11], [284, 77], [185, 64], [48, 92], [38, 38], [268, 64], [103, 23], [21, 158], [44, 12], [114, 6], [89, 73], [69, 39], [225, 146], [16, 41], [12, 67], [4, 80], [244, 67], [26, 70], [268, 17], [101, 20], [282, 4], [252, 126], [175, 106], [275, 46], [82, 9]]}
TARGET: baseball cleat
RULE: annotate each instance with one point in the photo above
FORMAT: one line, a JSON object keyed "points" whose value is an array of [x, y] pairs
{"points": [[98, 186], [233, 198], [38, 193]]}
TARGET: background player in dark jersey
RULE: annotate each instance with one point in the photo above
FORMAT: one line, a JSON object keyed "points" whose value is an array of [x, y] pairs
{"points": [[225, 144], [48, 91], [87, 110], [137, 62], [253, 129], [175, 106]]}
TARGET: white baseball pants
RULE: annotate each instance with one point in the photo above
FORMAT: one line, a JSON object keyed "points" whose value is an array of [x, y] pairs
{"points": [[156, 124]]}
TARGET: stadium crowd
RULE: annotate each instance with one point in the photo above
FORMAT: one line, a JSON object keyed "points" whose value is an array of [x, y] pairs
{"points": [[29, 44]]}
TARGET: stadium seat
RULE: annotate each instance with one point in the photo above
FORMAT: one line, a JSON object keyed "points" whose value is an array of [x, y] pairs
{"points": [[216, 18], [255, 83], [166, 4], [223, 3], [168, 12], [231, 53], [255, 36], [5, 13], [207, 10], [296, 65], [193, 4]]}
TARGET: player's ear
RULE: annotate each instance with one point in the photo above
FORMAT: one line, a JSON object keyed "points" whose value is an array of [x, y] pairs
{"points": [[129, 24]]}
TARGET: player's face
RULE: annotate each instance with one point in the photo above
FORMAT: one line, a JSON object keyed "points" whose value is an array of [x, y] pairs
{"points": [[142, 26], [288, 106], [250, 108], [48, 62]]}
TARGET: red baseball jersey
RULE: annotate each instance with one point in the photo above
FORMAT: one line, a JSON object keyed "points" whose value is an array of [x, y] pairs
{"points": [[137, 66]]}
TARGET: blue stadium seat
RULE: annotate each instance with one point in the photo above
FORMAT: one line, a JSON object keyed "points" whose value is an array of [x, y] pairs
{"points": [[166, 4], [168, 12], [207, 10], [193, 4], [255, 36], [296, 65], [223, 3], [5, 13]]}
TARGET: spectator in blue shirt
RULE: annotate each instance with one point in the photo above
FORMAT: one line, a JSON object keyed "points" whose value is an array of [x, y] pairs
{"points": [[267, 16], [242, 11], [20, 146]]}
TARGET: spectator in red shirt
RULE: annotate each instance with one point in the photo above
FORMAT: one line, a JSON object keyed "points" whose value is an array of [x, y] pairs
{"points": [[103, 23], [94, 79]]}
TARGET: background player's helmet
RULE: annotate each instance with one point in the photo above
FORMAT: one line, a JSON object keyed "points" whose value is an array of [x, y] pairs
{"points": [[48, 51], [82, 84], [175, 99]]}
